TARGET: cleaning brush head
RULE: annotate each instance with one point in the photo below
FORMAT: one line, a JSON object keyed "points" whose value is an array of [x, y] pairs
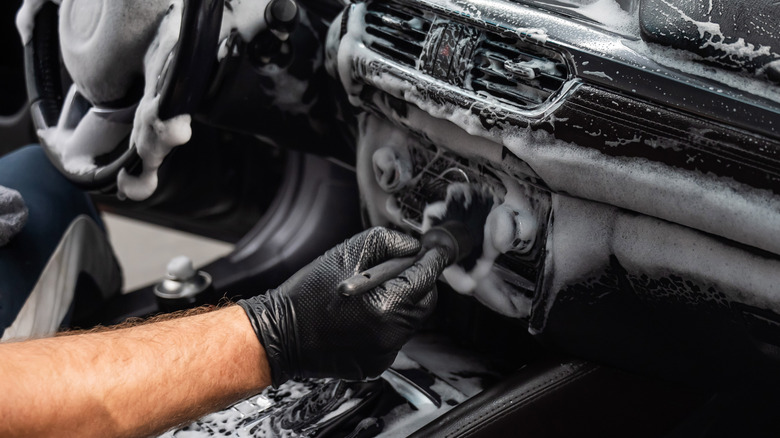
{"points": [[460, 225]]}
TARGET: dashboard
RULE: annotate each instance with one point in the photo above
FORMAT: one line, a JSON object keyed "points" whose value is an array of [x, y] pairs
{"points": [[631, 188]]}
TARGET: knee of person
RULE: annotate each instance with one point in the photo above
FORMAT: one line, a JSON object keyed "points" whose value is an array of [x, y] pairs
{"points": [[44, 189], [28, 162], [31, 152]]}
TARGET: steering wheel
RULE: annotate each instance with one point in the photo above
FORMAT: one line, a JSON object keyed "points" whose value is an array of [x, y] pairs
{"points": [[86, 131]]}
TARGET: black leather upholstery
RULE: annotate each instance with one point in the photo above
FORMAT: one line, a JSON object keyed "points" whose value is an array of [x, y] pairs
{"points": [[568, 398], [739, 34]]}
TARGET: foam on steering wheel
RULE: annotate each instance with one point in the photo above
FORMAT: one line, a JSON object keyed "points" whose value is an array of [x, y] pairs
{"points": [[87, 144]]}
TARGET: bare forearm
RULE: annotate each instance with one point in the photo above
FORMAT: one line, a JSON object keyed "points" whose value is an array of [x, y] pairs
{"points": [[129, 382]]}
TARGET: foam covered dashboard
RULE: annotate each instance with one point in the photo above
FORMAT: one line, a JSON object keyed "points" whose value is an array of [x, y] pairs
{"points": [[645, 198]]}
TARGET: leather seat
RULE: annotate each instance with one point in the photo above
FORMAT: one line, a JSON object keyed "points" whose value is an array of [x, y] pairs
{"points": [[568, 398]]}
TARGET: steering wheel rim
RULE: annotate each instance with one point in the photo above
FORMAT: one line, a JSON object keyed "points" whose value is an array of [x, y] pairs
{"points": [[181, 89]]}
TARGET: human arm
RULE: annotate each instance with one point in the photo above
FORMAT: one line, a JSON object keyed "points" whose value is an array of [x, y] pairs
{"points": [[135, 381], [130, 382], [309, 329]]}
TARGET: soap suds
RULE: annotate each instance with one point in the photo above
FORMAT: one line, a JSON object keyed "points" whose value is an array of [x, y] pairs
{"points": [[152, 137], [286, 90], [267, 414], [392, 168], [532, 68], [736, 211], [247, 17], [25, 18], [465, 282], [404, 419], [243, 417], [482, 281], [78, 145], [94, 135], [694, 64], [608, 13], [538, 35], [659, 250], [585, 235], [678, 195], [600, 74], [714, 37]]}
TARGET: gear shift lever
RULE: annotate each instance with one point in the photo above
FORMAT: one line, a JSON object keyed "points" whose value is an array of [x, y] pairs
{"points": [[183, 286]]}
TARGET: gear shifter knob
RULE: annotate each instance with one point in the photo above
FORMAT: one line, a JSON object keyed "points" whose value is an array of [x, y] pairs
{"points": [[282, 15], [183, 286], [181, 269]]}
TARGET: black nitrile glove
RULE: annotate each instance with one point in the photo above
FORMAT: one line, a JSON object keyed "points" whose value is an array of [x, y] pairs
{"points": [[308, 329]]}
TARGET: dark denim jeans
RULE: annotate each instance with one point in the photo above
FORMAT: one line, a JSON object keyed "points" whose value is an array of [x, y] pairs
{"points": [[53, 202]]}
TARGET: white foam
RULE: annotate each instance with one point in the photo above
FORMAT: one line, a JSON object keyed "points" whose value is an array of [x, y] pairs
{"points": [[600, 74], [152, 137], [738, 211], [344, 407], [714, 37], [242, 418], [608, 13], [693, 64], [392, 168], [585, 235], [734, 210], [377, 201], [25, 18], [536, 34], [514, 224], [288, 91], [247, 17], [740, 275], [78, 145], [404, 419], [482, 281]]}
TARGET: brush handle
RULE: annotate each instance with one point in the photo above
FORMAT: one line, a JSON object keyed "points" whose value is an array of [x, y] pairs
{"points": [[451, 236], [373, 277]]}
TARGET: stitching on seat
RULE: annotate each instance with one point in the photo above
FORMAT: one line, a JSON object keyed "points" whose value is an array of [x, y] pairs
{"points": [[575, 375]]}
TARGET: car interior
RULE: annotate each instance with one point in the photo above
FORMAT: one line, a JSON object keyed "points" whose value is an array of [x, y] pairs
{"points": [[629, 278]]}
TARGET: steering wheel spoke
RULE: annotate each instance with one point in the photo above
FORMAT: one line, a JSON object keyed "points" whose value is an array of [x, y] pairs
{"points": [[104, 46], [84, 133]]}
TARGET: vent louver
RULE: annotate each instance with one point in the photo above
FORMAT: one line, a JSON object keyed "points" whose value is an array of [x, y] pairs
{"points": [[436, 170], [396, 31], [520, 75]]}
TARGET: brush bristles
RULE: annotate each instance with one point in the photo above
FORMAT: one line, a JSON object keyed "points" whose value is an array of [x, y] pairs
{"points": [[468, 205]]}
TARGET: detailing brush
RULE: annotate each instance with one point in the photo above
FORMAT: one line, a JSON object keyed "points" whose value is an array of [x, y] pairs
{"points": [[459, 230]]}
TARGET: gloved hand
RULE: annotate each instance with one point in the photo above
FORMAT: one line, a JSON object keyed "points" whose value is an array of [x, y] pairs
{"points": [[308, 329]]}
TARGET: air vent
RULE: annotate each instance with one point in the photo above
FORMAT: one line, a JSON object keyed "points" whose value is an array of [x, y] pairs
{"points": [[435, 171], [515, 71], [397, 32]]}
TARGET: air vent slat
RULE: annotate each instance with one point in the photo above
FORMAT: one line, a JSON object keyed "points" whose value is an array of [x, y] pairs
{"points": [[403, 57], [524, 96], [545, 66], [394, 40], [416, 32], [515, 71], [396, 31], [544, 80]]}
